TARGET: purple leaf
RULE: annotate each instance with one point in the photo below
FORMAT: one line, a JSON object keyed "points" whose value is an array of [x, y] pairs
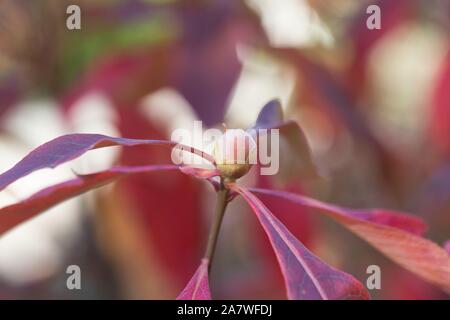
{"points": [[12, 215], [395, 235], [206, 66], [198, 286], [69, 147], [306, 276]]}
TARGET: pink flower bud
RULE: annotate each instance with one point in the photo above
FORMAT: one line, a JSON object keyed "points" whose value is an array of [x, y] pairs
{"points": [[234, 153]]}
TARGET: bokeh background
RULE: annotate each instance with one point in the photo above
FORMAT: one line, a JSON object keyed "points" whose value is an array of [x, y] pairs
{"points": [[374, 104]]}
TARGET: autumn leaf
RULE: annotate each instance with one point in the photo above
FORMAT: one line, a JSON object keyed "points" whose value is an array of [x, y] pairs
{"points": [[306, 276], [394, 234], [12, 215]]}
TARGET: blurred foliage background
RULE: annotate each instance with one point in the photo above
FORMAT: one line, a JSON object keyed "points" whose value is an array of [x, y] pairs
{"points": [[374, 104]]}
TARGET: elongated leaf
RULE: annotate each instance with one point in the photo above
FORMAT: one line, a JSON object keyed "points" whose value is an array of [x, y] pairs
{"points": [[393, 234], [447, 246], [17, 213], [69, 147], [200, 173], [306, 276], [198, 286]]}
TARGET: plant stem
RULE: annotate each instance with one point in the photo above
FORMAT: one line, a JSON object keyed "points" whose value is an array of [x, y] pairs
{"points": [[221, 205]]}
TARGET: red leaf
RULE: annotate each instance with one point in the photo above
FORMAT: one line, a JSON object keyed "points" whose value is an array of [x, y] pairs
{"points": [[200, 173], [392, 233], [306, 276], [440, 117], [151, 202], [14, 214], [326, 91], [198, 286], [69, 147]]}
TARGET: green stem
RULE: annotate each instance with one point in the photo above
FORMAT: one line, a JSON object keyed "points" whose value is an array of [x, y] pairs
{"points": [[221, 205]]}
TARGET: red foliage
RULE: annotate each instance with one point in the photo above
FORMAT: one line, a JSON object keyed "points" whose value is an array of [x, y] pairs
{"points": [[198, 286]]}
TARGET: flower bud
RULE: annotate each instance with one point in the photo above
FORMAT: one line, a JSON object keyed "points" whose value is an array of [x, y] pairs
{"points": [[234, 153]]}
